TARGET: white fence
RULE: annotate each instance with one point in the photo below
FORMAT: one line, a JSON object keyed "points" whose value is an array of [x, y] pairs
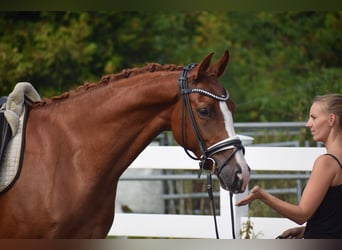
{"points": [[202, 226]]}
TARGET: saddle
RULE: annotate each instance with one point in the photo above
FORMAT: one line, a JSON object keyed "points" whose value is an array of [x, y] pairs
{"points": [[13, 115], [5, 130]]}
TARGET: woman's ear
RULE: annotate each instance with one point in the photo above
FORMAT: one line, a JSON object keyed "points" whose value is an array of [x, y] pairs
{"points": [[332, 119]]}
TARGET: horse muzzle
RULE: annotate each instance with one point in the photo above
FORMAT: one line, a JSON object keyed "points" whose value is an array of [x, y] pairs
{"points": [[234, 177], [233, 172]]}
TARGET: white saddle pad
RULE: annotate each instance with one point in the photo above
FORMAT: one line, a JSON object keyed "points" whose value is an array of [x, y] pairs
{"points": [[10, 165]]}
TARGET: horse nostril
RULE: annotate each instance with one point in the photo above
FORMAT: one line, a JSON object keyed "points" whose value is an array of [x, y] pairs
{"points": [[237, 184], [239, 175]]}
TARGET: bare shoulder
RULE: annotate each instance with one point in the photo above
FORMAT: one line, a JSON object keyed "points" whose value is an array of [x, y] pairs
{"points": [[327, 165]]}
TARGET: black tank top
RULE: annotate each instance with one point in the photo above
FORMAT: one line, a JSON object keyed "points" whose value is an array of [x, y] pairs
{"points": [[326, 223]]}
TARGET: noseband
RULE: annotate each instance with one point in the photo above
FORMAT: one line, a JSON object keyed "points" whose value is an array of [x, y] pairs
{"points": [[206, 161]]}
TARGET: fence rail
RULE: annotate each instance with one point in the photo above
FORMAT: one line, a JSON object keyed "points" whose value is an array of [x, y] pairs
{"points": [[202, 226], [299, 177]]}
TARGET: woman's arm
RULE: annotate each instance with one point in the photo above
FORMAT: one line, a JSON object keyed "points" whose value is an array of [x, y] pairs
{"points": [[323, 173]]}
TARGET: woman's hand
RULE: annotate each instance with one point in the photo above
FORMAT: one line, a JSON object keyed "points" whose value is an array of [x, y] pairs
{"points": [[293, 233], [255, 193]]}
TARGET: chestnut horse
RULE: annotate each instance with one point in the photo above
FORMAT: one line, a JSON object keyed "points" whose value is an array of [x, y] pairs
{"points": [[78, 145]]}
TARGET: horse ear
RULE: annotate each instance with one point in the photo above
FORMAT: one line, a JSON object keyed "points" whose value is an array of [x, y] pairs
{"points": [[219, 67], [202, 67]]}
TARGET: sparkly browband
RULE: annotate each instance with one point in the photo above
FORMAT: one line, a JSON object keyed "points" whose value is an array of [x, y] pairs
{"points": [[224, 97]]}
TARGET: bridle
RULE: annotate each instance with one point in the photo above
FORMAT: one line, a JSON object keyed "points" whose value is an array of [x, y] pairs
{"points": [[206, 161]]}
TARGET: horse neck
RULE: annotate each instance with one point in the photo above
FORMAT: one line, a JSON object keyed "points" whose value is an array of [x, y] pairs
{"points": [[142, 106], [120, 118]]}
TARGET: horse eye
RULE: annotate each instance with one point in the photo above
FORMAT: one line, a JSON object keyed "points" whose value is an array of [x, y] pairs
{"points": [[204, 112]]}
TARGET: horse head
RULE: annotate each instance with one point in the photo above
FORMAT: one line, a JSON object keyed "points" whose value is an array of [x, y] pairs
{"points": [[205, 112]]}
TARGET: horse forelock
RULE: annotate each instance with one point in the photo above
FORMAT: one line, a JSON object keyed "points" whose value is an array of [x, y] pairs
{"points": [[106, 79]]}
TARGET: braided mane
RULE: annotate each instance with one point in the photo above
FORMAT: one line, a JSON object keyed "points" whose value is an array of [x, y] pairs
{"points": [[125, 73]]}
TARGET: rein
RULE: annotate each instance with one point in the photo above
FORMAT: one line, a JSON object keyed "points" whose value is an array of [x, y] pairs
{"points": [[206, 161]]}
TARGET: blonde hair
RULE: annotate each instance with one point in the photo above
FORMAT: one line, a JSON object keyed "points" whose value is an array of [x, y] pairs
{"points": [[333, 104]]}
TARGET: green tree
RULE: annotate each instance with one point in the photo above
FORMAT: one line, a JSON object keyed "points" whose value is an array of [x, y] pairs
{"points": [[279, 60], [47, 49]]}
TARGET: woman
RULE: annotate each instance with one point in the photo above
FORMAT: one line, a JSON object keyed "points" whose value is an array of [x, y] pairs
{"points": [[321, 202]]}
